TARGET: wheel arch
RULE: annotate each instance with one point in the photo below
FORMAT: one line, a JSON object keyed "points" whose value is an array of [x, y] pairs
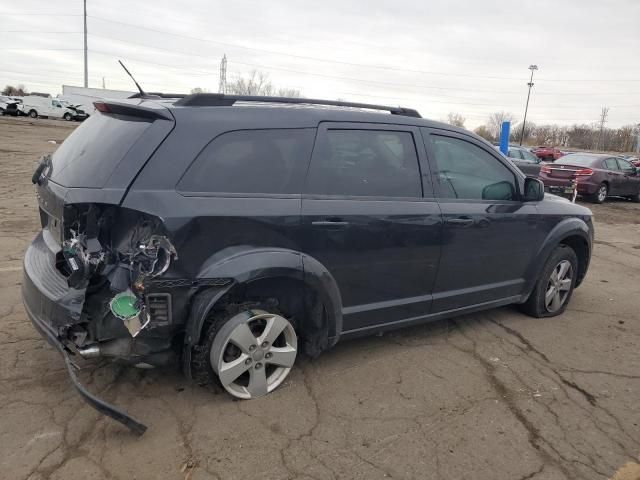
{"points": [[275, 272], [582, 249], [573, 232]]}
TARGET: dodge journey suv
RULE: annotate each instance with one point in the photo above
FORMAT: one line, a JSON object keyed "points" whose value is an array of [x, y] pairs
{"points": [[233, 233]]}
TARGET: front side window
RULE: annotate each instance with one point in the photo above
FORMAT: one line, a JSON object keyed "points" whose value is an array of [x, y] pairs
{"points": [[365, 163], [251, 161], [466, 171], [625, 166]]}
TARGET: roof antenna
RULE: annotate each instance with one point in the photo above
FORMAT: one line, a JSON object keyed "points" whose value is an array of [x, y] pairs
{"points": [[142, 94]]}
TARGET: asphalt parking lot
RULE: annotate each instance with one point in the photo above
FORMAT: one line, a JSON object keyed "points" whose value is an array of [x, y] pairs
{"points": [[495, 395]]}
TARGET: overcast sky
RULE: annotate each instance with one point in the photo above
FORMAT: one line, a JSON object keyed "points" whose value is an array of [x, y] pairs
{"points": [[465, 56]]}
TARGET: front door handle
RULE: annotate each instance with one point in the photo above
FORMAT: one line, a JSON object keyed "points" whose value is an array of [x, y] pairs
{"points": [[461, 221], [330, 222]]}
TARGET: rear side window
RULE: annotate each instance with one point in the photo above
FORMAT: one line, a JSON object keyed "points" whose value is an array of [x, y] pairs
{"points": [[365, 163], [251, 161], [93, 151], [611, 164], [529, 157], [466, 171], [513, 153]]}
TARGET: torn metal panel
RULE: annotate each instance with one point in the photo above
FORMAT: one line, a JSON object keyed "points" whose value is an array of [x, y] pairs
{"points": [[112, 251]]}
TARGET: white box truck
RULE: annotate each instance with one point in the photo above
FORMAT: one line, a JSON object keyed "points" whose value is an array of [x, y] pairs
{"points": [[36, 106]]}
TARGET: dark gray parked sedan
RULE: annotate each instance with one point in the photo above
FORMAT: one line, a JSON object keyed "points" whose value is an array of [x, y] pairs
{"points": [[524, 160]]}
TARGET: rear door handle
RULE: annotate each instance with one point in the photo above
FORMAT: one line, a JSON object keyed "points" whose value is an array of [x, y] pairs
{"points": [[462, 221], [330, 222]]}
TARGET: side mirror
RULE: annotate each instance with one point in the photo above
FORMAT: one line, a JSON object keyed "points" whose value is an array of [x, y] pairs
{"points": [[533, 190], [498, 191]]}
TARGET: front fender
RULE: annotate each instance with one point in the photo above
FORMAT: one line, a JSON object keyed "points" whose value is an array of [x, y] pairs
{"points": [[245, 264], [569, 227]]}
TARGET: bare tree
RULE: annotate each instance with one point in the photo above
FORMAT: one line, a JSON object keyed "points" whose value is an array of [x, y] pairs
{"points": [[288, 92], [199, 90], [494, 124], [529, 132], [484, 132], [11, 91], [258, 83], [456, 119]]}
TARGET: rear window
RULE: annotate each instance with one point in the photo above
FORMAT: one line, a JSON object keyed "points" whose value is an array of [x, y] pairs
{"points": [[577, 159], [251, 161], [93, 151]]}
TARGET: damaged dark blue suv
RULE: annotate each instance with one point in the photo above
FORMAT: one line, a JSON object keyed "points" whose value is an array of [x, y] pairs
{"points": [[231, 233]]}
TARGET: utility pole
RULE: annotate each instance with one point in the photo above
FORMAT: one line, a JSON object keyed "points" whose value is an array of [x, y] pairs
{"points": [[222, 86], [526, 108], [103, 87], [603, 120], [86, 69]]}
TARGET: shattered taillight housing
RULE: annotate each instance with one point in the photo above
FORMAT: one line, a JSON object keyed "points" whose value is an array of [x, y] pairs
{"points": [[123, 247]]}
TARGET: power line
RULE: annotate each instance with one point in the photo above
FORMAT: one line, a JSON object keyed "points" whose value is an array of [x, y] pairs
{"points": [[464, 99], [43, 49], [33, 31], [304, 57], [10, 14], [271, 67], [326, 60], [493, 104], [182, 68], [86, 60]]}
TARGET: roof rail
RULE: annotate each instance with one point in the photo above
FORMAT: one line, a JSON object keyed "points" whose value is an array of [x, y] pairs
{"points": [[222, 100]]}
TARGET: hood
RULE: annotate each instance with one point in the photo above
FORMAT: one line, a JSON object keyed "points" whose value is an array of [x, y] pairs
{"points": [[564, 206]]}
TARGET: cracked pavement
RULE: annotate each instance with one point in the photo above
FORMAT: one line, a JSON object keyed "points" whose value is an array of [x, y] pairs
{"points": [[495, 395]]}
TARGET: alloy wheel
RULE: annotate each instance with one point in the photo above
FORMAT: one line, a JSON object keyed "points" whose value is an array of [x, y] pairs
{"points": [[559, 286], [602, 193], [253, 353]]}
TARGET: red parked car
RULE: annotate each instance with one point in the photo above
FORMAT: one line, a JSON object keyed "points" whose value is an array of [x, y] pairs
{"points": [[547, 153], [596, 176]]}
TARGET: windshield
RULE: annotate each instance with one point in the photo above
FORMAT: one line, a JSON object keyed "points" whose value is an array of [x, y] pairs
{"points": [[577, 159]]}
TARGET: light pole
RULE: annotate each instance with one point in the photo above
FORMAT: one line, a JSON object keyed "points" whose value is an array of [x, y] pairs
{"points": [[86, 69], [524, 122]]}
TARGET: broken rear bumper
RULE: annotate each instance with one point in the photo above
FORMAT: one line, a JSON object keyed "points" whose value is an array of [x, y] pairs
{"points": [[49, 303]]}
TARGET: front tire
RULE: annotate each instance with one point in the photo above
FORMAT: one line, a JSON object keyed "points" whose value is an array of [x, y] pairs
{"points": [[554, 288], [249, 352], [67, 117]]}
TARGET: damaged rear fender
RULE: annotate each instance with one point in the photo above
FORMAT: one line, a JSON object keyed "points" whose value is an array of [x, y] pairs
{"points": [[113, 252], [245, 264]]}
